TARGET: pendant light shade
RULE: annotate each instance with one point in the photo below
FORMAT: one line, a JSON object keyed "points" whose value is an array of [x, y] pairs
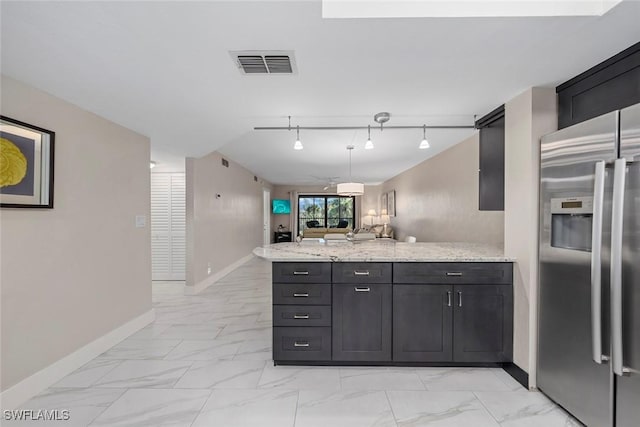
{"points": [[350, 188]]}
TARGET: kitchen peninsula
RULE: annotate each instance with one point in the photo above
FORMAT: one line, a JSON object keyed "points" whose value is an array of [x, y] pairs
{"points": [[391, 303]]}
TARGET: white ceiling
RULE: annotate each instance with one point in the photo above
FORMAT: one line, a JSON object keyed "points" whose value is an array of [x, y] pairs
{"points": [[163, 69]]}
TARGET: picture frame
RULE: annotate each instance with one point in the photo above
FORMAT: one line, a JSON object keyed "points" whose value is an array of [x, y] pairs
{"points": [[383, 204], [391, 203], [26, 165]]}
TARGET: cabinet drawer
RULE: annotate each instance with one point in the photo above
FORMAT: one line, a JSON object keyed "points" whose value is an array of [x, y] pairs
{"points": [[362, 272], [494, 273], [291, 343], [302, 293], [301, 272], [301, 315]]}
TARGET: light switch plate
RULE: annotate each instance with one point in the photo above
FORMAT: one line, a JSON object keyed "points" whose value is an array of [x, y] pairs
{"points": [[141, 221]]}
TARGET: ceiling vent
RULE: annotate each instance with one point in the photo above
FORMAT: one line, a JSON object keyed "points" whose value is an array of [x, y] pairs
{"points": [[261, 62]]}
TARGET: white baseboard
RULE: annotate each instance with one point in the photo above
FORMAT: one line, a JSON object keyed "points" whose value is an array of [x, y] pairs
{"points": [[16, 395], [201, 286]]}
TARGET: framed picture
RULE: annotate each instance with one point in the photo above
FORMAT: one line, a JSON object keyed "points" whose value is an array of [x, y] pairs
{"points": [[383, 204], [391, 203], [26, 165]]}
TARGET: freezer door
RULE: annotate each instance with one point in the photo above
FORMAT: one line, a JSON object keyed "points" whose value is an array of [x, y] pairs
{"points": [[630, 133], [567, 371], [628, 386]]}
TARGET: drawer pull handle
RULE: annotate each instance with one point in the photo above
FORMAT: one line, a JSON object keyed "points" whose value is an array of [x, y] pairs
{"points": [[300, 273], [361, 273], [301, 295], [362, 289], [454, 273], [300, 344], [300, 316]]}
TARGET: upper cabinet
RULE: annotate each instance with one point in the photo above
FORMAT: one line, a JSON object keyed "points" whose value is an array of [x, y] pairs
{"points": [[491, 168], [611, 85]]}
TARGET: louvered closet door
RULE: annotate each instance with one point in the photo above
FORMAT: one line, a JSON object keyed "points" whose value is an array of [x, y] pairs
{"points": [[168, 242]]}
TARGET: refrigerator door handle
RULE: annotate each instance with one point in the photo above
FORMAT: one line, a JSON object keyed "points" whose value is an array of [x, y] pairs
{"points": [[617, 211], [596, 265]]}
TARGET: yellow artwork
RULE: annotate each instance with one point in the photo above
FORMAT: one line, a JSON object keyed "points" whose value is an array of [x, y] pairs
{"points": [[13, 164]]}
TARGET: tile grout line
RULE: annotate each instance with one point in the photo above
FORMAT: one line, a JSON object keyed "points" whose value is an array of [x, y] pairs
{"points": [[485, 407], [393, 413], [201, 407], [107, 373], [295, 413], [107, 407]]}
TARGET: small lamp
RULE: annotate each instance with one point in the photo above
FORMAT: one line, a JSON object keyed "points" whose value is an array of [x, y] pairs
{"points": [[371, 214], [385, 219]]}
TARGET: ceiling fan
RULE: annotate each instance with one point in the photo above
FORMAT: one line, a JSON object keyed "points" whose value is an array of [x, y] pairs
{"points": [[331, 182]]}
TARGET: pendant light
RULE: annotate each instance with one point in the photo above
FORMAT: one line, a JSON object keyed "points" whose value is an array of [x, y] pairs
{"points": [[424, 144], [350, 188], [369, 144], [298, 144]]}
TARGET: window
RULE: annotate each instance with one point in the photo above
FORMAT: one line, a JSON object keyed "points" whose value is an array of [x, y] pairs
{"points": [[326, 211]]}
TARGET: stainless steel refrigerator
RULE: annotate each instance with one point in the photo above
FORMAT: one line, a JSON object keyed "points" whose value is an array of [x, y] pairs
{"points": [[589, 300]]}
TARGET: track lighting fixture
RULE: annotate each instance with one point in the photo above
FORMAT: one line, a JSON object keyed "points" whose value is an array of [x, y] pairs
{"points": [[380, 118], [424, 144], [369, 144], [298, 144]]}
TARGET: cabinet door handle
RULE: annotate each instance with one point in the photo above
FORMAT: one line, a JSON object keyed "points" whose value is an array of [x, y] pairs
{"points": [[362, 289], [448, 298], [306, 295], [300, 316], [361, 273], [454, 273], [300, 273], [459, 299], [300, 344]]}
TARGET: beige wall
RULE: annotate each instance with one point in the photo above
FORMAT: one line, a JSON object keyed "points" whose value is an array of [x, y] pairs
{"points": [[437, 200], [220, 231], [284, 192], [528, 116], [74, 273], [370, 200]]}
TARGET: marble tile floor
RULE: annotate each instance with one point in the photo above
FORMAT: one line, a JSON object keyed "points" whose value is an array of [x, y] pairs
{"points": [[206, 362]]}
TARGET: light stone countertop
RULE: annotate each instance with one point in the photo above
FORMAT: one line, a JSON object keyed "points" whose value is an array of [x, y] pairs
{"points": [[383, 251]]}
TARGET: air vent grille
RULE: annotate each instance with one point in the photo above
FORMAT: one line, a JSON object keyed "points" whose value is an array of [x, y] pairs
{"points": [[273, 62], [253, 64], [278, 64]]}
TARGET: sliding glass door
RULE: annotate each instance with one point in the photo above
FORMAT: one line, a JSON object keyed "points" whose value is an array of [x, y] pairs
{"points": [[326, 211]]}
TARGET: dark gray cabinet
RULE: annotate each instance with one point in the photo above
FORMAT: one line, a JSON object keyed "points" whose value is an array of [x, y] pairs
{"points": [[301, 272], [611, 85], [302, 344], [408, 312], [459, 312], [483, 323], [422, 323], [301, 311], [361, 324], [491, 167]]}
